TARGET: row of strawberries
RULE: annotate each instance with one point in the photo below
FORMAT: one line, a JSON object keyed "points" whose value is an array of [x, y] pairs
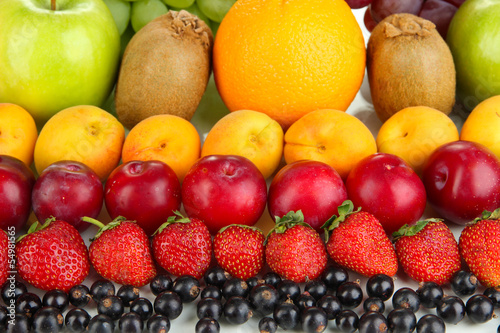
{"points": [[54, 255]]}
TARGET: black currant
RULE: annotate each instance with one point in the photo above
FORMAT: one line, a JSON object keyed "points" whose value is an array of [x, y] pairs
{"points": [[131, 322], [479, 308], [430, 323], [101, 288], [430, 294], [169, 304], [20, 324], [207, 325], [451, 309], [380, 286], [267, 325], [4, 316], [101, 324], [464, 283], [314, 320], [254, 282], [56, 298], [331, 305], [79, 295], [287, 315], [77, 320], [350, 294], [158, 323], [374, 304], [406, 298], [347, 321], [143, 307], [128, 293], [212, 292], [187, 287], [209, 307], [216, 276], [111, 306], [237, 310], [333, 276], [304, 301], [401, 321], [160, 283], [316, 288], [235, 287], [272, 278], [12, 289], [28, 304], [288, 289], [48, 319], [263, 298], [372, 321], [493, 293]]}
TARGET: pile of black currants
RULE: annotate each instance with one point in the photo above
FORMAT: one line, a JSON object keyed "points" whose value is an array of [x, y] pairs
{"points": [[333, 300]]}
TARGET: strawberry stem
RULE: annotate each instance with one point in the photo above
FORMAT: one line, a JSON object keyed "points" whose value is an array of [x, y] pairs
{"points": [[95, 222]]}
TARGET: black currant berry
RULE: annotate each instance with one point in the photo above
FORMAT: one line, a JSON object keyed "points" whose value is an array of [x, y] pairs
{"points": [[380, 286], [430, 294], [406, 298], [158, 323], [316, 289], [263, 298], [373, 304], [56, 298], [430, 323], [20, 324], [347, 321], [28, 304], [4, 316], [143, 307], [79, 295], [48, 320], [304, 301], [160, 283], [237, 310], [131, 322], [479, 308], [210, 308], [451, 309], [331, 305], [187, 287], [401, 321], [272, 278], [493, 293], [267, 325], [169, 304], [464, 283], [128, 293], [216, 276], [314, 320], [333, 276], [212, 292], [101, 288], [77, 320], [372, 322], [287, 315], [350, 294], [111, 306], [254, 282], [207, 325], [101, 324], [12, 290], [288, 289], [235, 287]]}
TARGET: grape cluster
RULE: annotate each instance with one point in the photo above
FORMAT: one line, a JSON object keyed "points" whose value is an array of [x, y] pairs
{"points": [[440, 12]]}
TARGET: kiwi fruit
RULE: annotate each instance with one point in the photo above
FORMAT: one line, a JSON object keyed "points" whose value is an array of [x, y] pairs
{"points": [[165, 69], [409, 64]]}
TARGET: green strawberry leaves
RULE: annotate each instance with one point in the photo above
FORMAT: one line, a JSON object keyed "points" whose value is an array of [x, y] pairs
{"points": [[286, 222], [344, 210], [412, 230], [177, 218], [37, 226], [104, 227]]}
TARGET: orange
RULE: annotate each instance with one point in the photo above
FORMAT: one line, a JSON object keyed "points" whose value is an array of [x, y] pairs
{"points": [[289, 57], [167, 138], [330, 136]]}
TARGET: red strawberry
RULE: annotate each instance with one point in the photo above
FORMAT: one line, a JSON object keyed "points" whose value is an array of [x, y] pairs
{"points": [[183, 246], [357, 241], [4, 257], [121, 252], [239, 250], [427, 251], [294, 250], [52, 256], [479, 246]]}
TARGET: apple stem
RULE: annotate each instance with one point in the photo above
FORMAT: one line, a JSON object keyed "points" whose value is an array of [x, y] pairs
{"points": [[53, 5]]}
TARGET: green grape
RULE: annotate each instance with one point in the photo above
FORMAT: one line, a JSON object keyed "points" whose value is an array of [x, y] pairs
{"points": [[120, 10], [144, 11], [215, 9], [193, 9], [179, 3]]}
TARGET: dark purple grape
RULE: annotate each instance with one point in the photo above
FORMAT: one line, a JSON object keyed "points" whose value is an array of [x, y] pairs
{"points": [[356, 4], [380, 9], [440, 13]]}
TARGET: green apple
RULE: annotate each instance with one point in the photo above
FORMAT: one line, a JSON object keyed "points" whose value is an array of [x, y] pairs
{"points": [[56, 54], [474, 41]]}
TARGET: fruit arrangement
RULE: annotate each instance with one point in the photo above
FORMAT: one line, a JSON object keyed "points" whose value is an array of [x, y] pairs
{"points": [[242, 174]]}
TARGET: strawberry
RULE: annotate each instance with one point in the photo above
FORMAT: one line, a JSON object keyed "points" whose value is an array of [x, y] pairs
{"points": [[4, 257], [183, 246], [239, 250], [479, 246], [294, 250], [427, 251], [52, 256], [121, 252], [356, 240]]}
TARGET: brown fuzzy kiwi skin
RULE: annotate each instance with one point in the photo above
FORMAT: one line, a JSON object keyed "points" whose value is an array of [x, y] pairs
{"points": [[165, 69], [409, 64]]}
